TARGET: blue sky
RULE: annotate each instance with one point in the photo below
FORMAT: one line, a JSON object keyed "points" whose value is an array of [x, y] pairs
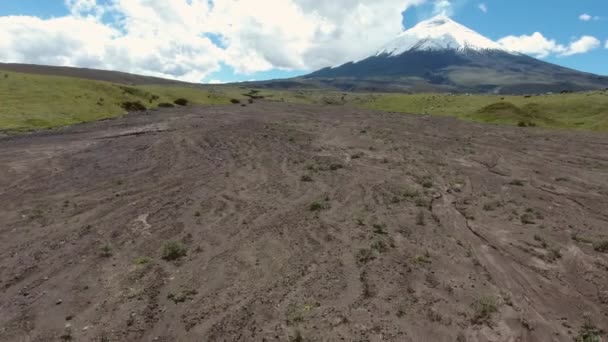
{"points": [[557, 20]]}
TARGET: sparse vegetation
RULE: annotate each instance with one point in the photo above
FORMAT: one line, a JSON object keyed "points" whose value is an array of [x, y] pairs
{"points": [[589, 332], [106, 250], [173, 250], [576, 237], [379, 229], [182, 296], [181, 102], [142, 260], [306, 178], [601, 246], [420, 219], [491, 206], [318, 206], [483, 309], [364, 255], [527, 218], [133, 106], [235, 101], [166, 105]]}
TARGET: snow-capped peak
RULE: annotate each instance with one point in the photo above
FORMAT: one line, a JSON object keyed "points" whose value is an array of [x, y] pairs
{"points": [[439, 33]]}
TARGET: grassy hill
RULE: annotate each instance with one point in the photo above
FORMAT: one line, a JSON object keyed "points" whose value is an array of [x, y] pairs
{"points": [[31, 102], [39, 101], [587, 111]]}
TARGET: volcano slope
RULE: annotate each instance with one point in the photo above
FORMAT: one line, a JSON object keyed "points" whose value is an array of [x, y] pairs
{"points": [[302, 223]]}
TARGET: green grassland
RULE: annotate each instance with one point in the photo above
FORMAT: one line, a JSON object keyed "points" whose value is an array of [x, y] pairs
{"points": [[585, 111], [30, 102]]}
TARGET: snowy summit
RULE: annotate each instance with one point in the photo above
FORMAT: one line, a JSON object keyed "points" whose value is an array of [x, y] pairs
{"points": [[439, 33]]}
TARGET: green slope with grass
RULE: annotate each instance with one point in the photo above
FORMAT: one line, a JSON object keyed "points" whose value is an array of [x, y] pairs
{"points": [[29, 102], [586, 111]]}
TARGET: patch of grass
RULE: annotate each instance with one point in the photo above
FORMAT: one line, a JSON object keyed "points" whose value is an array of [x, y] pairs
{"points": [[426, 183], [379, 229], [422, 202], [420, 219], [410, 193], [423, 259], [336, 166], [318, 206], [182, 296], [527, 218], [142, 260], [574, 111], [576, 237], [379, 246], [483, 310], [306, 178], [106, 250], [365, 255], [492, 205], [357, 155], [133, 106], [32, 102], [166, 105], [601, 246], [589, 333], [173, 250]]}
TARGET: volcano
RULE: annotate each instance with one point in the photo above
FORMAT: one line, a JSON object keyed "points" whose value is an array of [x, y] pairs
{"points": [[440, 54]]}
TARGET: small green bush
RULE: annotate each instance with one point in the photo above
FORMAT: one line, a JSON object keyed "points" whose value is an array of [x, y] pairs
{"points": [[106, 250], [601, 247], [181, 102], [166, 105], [318, 206], [483, 309], [142, 260], [173, 250], [133, 106]]}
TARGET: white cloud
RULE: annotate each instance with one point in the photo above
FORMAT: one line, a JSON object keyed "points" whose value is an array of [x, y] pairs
{"points": [[585, 17], [535, 45], [582, 45], [169, 38], [538, 46], [483, 8], [443, 7], [588, 17], [606, 46]]}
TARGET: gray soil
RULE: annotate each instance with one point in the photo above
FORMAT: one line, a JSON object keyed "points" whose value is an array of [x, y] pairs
{"points": [[302, 223]]}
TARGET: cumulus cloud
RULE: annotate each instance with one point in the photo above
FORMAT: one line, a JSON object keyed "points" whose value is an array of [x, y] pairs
{"points": [[582, 45], [483, 8], [170, 38], [538, 46]]}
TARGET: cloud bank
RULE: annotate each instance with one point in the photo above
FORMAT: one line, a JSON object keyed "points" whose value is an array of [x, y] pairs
{"points": [[190, 39]]}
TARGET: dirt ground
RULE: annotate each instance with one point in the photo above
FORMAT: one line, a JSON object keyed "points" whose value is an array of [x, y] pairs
{"points": [[302, 223]]}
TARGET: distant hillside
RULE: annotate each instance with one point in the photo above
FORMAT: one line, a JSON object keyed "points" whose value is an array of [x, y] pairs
{"points": [[90, 74]]}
